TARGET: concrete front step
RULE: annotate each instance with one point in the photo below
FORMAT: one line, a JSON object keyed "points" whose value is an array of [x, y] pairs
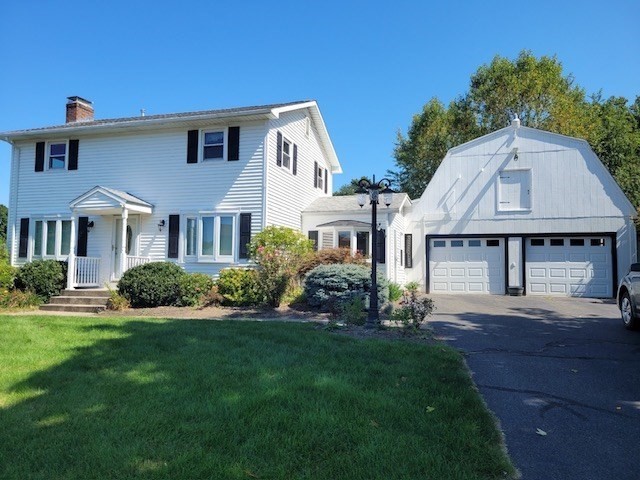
{"points": [[73, 308], [93, 292], [73, 300]]}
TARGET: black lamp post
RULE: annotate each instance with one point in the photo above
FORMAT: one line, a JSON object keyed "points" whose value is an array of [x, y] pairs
{"points": [[373, 189]]}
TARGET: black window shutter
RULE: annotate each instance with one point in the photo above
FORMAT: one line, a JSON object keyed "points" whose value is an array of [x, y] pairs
{"points": [[279, 150], [234, 144], [39, 156], [24, 238], [82, 236], [295, 159], [313, 236], [174, 234], [315, 174], [408, 249], [73, 154], [381, 242], [192, 146], [326, 180], [245, 234]]}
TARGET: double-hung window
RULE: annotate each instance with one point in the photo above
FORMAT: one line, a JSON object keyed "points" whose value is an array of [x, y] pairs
{"points": [[192, 236], [57, 155], [286, 153], [319, 181], [217, 232], [213, 145], [52, 238]]}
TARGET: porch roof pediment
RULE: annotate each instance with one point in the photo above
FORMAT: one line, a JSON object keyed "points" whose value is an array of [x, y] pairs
{"points": [[107, 201], [346, 223]]}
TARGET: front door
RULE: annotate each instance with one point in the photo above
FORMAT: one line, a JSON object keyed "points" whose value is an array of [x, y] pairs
{"points": [[131, 247]]}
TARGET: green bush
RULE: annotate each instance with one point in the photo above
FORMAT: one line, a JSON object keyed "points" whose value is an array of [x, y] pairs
{"points": [[116, 301], [153, 284], [45, 278], [194, 288], [19, 299], [279, 252], [395, 292], [329, 284], [239, 286], [412, 286], [413, 311], [352, 311], [7, 275]]}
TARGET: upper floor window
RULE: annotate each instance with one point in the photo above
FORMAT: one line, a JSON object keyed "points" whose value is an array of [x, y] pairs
{"points": [[57, 155], [213, 145], [319, 182], [286, 153]]}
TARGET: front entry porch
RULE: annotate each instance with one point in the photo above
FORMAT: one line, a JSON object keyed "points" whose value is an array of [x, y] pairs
{"points": [[117, 216]]}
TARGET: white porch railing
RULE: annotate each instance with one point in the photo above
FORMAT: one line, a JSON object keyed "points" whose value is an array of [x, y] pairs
{"points": [[86, 271], [135, 261]]}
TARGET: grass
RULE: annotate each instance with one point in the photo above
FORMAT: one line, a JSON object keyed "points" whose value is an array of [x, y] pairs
{"points": [[128, 398]]}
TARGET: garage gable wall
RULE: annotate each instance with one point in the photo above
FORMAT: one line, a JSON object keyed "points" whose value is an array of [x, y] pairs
{"points": [[559, 178]]}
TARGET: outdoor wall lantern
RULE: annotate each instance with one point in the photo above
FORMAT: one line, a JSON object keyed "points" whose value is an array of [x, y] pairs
{"points": [[90, 225], [373, 190], [161, 225]]}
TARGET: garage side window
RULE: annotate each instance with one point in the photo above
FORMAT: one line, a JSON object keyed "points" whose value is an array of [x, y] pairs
{"points": [[514, 191], [439, 243]]}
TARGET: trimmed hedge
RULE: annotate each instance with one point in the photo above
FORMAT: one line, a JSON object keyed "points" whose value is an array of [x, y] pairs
{"points": [[239, 286], [45, 278], [327, 285], [330, 256], [154, 284], [194, 289]]}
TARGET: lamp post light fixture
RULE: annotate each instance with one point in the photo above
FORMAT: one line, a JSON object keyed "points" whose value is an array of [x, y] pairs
{"points": [[373, 190]]}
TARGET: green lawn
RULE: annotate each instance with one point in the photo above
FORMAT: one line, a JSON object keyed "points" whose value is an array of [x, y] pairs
{"points": [[117, 398]]}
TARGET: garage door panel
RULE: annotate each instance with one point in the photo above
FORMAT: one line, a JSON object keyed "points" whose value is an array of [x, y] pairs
{"points": [[577, 266], [466, 265]]}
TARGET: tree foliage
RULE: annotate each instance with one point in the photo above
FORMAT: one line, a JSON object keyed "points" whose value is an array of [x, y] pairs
{"points": [[4, 214], [538, 91], [350, 188]]}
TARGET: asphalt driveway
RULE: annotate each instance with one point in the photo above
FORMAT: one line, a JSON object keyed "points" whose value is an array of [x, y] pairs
{"points": [[564, 366]]}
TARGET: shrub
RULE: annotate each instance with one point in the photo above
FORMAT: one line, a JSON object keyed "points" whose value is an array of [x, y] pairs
{"points": [[352, 311], [212, 297], [327, 284], [413, 311], [395, 292], [412, 286], [239, 286], [7, 275], [278, 252], [194, 287], [45, 278], [116, 301], [153, 284], [19, 299], [330, 256]]}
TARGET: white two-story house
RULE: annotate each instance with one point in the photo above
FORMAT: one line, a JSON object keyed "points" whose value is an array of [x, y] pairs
{"points": [[191, 188]]}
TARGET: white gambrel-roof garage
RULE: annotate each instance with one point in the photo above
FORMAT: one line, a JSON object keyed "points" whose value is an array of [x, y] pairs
{"points": [[525, 208], [519, 208]]}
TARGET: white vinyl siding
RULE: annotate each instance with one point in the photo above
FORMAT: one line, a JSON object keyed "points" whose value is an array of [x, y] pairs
{"points": [[287, 194]]}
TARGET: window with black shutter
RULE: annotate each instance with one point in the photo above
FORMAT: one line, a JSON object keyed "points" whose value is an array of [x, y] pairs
{"points": [[73, 154], [192, 146], [245, 234], [81, 248], [39, 157], [408, 249], [313, 236], [294, 167], [326, 180], [174, 235], [24, 238], [279, 149], [234, 144]]}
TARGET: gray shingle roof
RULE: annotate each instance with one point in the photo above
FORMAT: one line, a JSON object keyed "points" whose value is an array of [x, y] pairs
{"points": [[349, 203], [167, 116]]}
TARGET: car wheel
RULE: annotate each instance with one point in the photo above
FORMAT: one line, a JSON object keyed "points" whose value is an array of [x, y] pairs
{"points": [[626, 311]]}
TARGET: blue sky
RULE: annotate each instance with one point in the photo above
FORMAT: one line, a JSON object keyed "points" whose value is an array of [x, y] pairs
{"points": [[370, 65]]}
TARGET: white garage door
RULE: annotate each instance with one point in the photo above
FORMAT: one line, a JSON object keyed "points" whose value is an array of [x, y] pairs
{"points": [[575, 266], [466, 265]]}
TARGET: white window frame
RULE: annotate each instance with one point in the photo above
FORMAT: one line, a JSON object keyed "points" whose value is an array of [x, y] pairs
{"points": [[502, 207], [216, 257], [57, 255], [203, 131], [186, 236], [47, 155], [290, 154]]}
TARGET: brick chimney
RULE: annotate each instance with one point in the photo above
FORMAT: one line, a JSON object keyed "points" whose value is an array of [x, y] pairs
{"points": [[79, 110]]}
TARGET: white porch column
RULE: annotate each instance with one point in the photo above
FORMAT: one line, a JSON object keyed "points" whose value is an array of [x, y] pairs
{"points": [[71, 262], [123, 242]]}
